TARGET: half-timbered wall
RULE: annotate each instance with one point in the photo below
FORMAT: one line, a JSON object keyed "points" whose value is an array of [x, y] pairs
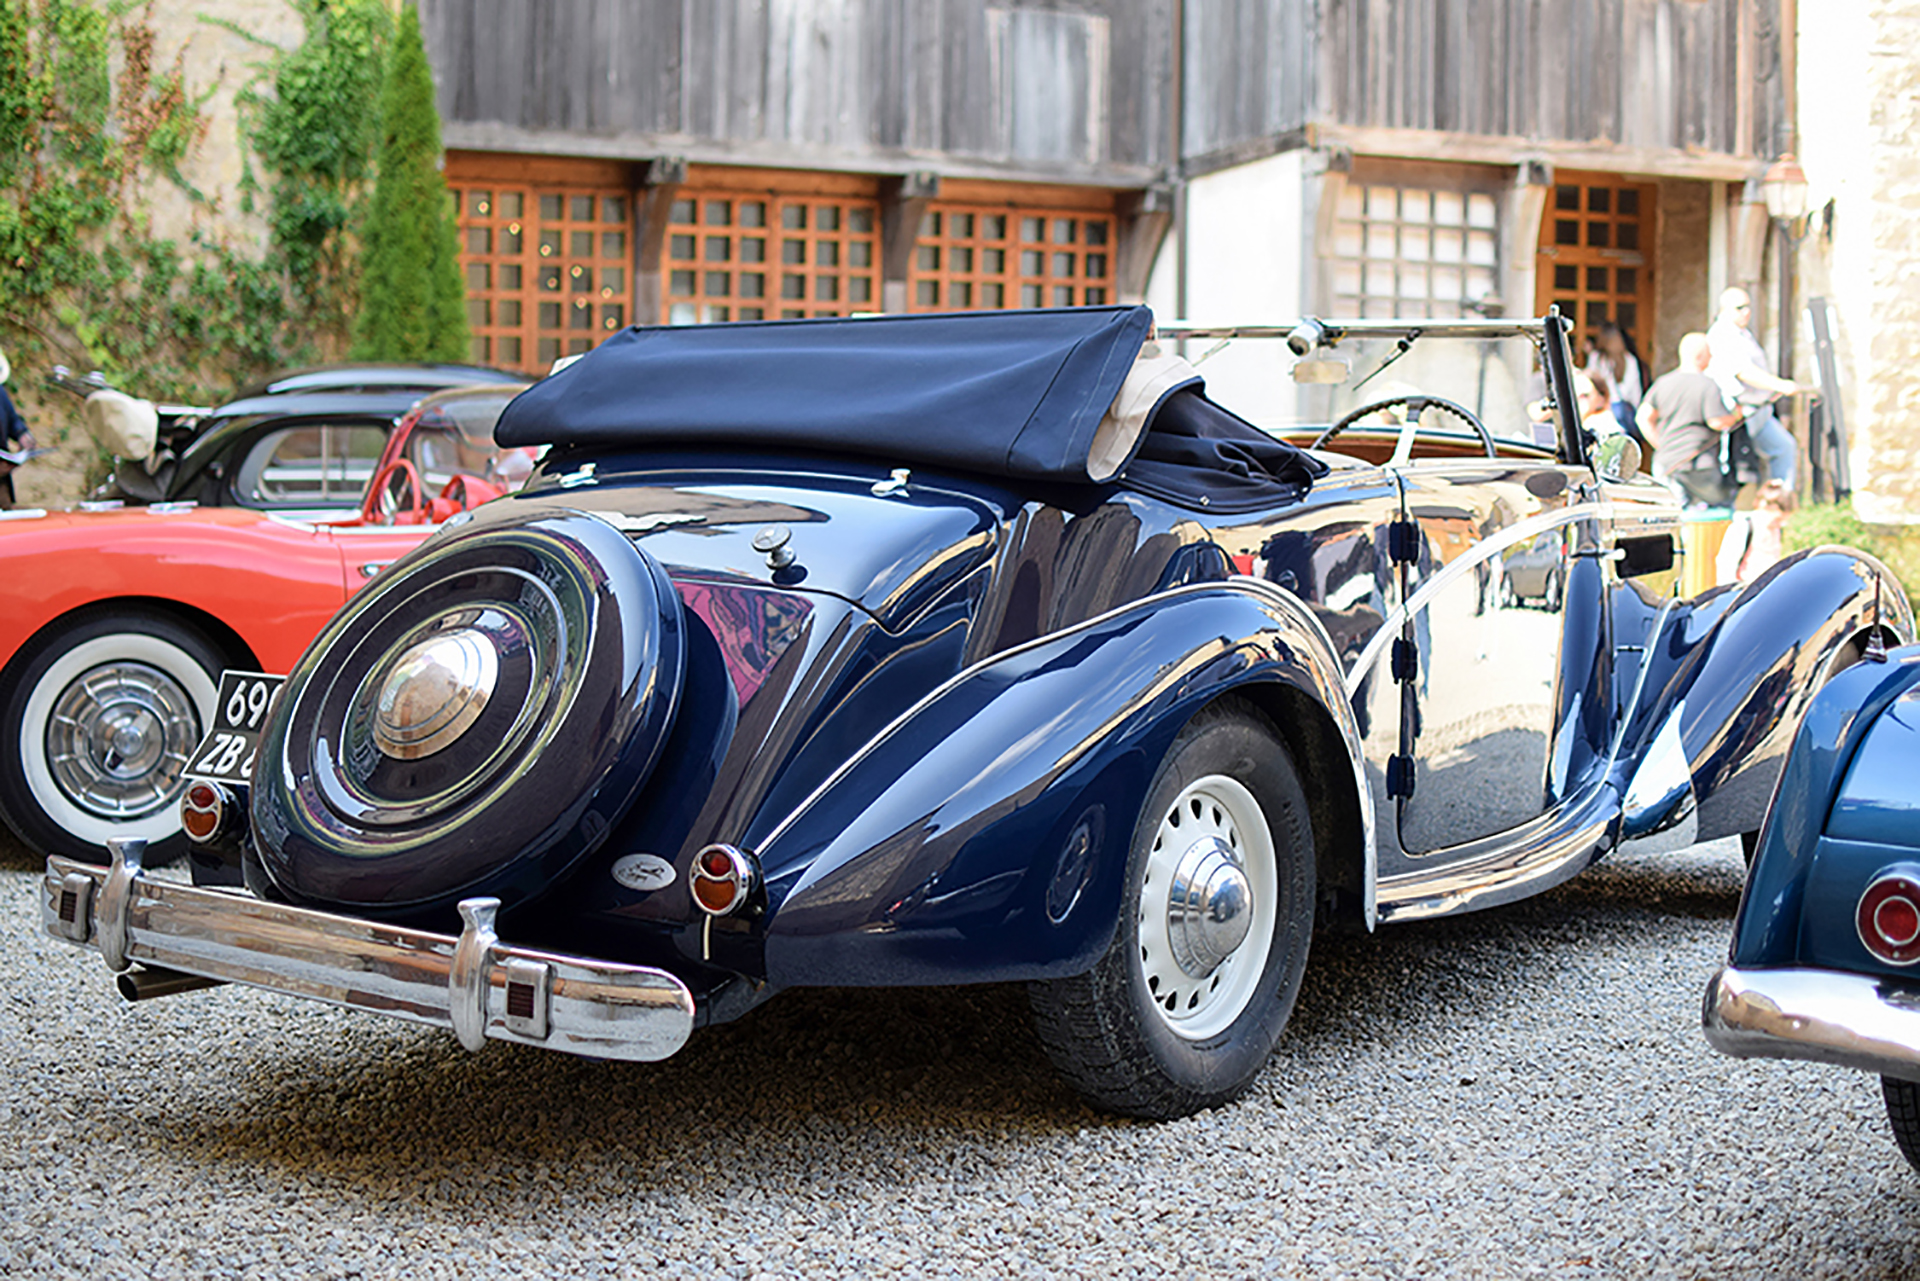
{"points": [[1076, 90], [1647, 75]]}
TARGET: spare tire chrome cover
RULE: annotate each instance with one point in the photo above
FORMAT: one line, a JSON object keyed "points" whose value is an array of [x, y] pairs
{"points": [[475, 720]]}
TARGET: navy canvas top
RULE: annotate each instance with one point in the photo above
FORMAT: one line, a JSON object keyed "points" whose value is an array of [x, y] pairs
{"points": [[1004, 393]]}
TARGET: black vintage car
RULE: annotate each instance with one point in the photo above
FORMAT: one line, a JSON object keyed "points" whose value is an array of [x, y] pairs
{"points": [[982, 648], [301, 444]]}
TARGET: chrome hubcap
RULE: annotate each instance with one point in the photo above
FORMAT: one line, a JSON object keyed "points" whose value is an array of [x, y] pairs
{"points": [[119, 738], [1207, 905], [1209, 908], [434, 693]]}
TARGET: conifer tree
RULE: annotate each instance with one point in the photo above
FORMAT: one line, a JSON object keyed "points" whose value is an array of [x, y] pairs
{"points": [[412, 299]]}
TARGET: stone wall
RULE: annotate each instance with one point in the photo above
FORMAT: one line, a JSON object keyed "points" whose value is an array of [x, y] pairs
{"points": [[217, 61], [1859, 74]]}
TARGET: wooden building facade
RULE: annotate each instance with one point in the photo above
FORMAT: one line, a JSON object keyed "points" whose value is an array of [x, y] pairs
{"points": [[621, 161]]}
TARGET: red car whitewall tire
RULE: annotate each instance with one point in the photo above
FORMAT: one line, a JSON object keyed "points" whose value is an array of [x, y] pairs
{"points": [[99, 720]]}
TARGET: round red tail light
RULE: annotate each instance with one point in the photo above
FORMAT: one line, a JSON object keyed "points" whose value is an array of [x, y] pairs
{"points": [[204, 811], [723, 879], [1888, 918]]}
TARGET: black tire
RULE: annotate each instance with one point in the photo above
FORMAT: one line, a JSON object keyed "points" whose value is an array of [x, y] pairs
{"points": [[1141, 1033], [1552, 597], [98, 718], [1903, 1113]]}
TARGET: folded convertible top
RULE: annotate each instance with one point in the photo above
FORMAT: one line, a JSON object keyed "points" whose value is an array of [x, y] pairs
{"points": [[1004, 393]]}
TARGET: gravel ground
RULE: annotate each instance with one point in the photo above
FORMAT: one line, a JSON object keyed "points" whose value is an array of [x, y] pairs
{"points": [[1519, 1092]]}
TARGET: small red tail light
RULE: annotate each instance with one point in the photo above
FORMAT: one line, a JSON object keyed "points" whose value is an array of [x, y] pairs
{"points": [[205, 811], [1888, 918], [723, 879]]}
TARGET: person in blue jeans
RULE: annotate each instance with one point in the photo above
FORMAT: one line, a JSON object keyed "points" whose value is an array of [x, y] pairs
{"points": [[1741, 367]]}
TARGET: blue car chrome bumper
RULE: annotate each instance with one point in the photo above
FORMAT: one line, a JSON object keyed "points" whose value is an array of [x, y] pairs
{"points": [[472, 983], [1828, 1017]]}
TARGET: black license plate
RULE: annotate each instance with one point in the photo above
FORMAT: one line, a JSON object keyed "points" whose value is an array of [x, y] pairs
{"points": [[225, 755]]}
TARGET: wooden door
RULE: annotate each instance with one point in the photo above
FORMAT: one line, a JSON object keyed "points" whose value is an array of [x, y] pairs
{"points": [[1596, 257]]}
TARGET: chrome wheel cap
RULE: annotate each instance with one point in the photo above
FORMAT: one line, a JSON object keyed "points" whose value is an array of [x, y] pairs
{"points": [[434, 692], [1210, 907], [119, 737], [1207, 903]]}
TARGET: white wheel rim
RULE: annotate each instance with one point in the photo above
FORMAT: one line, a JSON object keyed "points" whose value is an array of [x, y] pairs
{"points": [[131, 670], [1213, 808]]}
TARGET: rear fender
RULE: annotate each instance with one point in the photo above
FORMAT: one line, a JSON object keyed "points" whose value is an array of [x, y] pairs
{"points": [[983, 836], [1710, 740], [1767, 930]]}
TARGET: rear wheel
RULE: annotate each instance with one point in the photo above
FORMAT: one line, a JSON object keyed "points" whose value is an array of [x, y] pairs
{"points": [[1903, 1111], [100, 719], [1185, 1006]]}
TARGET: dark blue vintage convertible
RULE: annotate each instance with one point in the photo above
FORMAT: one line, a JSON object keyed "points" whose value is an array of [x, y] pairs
{"points": [[983, 648], [1828, 935]]}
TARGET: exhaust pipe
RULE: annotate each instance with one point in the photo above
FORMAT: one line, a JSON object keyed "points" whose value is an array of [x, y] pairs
{"points": [[146, 982]]}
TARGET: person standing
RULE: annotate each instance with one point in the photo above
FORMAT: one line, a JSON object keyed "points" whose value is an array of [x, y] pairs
{"points": [[1746, 379], [1684, 414], [14, 436], [1626, 374], [1755, 540]]}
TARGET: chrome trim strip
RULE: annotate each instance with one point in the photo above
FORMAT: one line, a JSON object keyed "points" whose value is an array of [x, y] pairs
{"points": [[1336, 700], [1334, 331], [594, 1008], [1458, 568], [1550, 849], [1822, 1016]]}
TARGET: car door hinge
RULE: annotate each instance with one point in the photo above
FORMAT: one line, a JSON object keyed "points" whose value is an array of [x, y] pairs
{"points": [[1406, 661], [1399, 776], [1403, 542]]}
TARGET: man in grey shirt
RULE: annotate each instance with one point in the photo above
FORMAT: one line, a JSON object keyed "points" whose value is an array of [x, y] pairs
{"points": [[1684, 414]]}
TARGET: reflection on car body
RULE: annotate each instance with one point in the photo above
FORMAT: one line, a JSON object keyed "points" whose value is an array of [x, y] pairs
{"points": [[987, 648]]}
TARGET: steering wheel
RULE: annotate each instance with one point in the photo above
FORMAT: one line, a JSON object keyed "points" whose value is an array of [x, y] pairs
{"points": [[1416, 406], [396, 497]]}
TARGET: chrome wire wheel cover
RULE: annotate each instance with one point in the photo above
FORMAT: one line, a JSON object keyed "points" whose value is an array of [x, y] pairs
{"points": [[119, 737], [1215, 828]]}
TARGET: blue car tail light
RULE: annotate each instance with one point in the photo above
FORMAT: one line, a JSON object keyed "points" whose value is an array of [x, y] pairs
{"points": [[1888, 918], [723, 879]]}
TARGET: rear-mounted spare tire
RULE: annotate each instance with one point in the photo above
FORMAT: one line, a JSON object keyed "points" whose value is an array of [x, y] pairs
{"points": [[474, 721]]}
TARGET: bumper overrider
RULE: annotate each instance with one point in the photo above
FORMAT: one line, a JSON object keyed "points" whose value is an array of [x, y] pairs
{"points": [[165, 936], [1828, 1017]]}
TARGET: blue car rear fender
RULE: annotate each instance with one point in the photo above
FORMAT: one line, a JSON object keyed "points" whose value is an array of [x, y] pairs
{"points": [[1803, 876], [983, 836]]}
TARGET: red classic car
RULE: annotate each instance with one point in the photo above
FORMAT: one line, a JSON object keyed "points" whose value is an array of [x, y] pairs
{"points": [[115, 622]]}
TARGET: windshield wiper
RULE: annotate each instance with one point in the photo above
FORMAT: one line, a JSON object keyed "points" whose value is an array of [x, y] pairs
{"points": [[1400, 348]]}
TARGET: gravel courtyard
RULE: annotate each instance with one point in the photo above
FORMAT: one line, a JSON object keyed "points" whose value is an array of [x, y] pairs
{"points": [[1516, 1093]]}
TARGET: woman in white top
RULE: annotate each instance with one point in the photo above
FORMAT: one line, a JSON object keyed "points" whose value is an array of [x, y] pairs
{"points": [[1620, 365]]}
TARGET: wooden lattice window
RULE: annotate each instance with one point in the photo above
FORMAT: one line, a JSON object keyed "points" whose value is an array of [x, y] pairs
{"points": [[1596, 242], [1414, 248], [973, 257], [547, 267], [766, 255]]}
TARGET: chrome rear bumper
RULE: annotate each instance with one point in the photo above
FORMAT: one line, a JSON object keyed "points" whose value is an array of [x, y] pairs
{"points": [[471, 983], [1822, 1015]]}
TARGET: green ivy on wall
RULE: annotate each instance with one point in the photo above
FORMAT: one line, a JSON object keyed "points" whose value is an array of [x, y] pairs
{"points": [[90, 120], [311, 118]]}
